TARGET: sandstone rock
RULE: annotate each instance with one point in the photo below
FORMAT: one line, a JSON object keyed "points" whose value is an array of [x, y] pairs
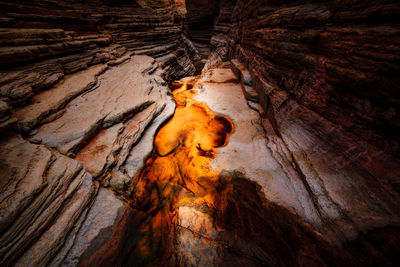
{"points": [[98, 153], [66, 241], [291, 181], [329, 57], [241, 72], [42, 196], [54, 99], [122, 91], [19, 85], [59, 48], [96, 229], [4, 110], [340, 169], [135, 160], [219, 76], [298, 164], [302, 95], [250, 93]]}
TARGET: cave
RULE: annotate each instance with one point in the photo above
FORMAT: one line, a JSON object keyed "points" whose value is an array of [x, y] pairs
{"points": [[199, 133]]}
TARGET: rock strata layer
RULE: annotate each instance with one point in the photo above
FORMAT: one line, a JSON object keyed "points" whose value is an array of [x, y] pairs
{"points": [[325, 74], [38, 47], [94, 126], [337, 59], [282, 152]]}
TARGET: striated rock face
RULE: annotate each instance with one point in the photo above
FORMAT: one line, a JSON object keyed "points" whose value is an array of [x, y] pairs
{"points": [[325, 75], [44, 197], [201, 10], [337, 59], [189, 214], [217, 191], [200, 17], [80, 103], [149, 29], [104, 119], [281, 152], [38, 47]]}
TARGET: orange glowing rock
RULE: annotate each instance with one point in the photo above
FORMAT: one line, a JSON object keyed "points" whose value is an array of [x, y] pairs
{"points": [[184, 148], [194, 126], [177, 177]]}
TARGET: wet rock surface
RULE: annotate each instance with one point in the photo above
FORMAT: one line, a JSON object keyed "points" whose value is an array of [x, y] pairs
{"points": [[325, 199], [202, 199]]}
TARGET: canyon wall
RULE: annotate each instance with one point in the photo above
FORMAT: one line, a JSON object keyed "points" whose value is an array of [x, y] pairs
{"points": [[41, 42], [326, 73], [79, 99], [283, 151], [201, 11], [336, 58]]}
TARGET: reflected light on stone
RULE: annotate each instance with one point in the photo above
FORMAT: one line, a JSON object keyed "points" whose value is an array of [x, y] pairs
{"points": [[178, 175], [184, 148]]}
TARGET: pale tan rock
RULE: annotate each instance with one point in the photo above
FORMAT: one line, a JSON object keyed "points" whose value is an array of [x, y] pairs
{"points": [[56, 98], [96, 228], [219, 76], [122, 91], [95, 156], [42, 195], [294, 170], [44, 249]]}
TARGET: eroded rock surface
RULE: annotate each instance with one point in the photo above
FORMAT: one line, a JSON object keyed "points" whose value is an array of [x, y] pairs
{"points": [[220, 187], [282, 152], [105, 117], [38, 48], [43, 196], [321, 71], [332, 200]]}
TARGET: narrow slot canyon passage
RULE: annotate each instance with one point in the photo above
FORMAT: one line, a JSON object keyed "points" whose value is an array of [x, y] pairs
{"points": [[187, 213], [177, 182], [199, 133], [200, 19]]}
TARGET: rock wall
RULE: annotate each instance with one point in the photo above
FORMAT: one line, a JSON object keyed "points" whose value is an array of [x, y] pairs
{"points": [[282, 152], [325, 73], [94, 126], [337, 58], [80, 102], [201, 10], [200, 18], [42, 41]]}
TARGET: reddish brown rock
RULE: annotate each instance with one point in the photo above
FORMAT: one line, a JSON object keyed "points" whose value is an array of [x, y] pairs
{"points": [[324, 74], [283, 152], [38, 47], [338, 59]]}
